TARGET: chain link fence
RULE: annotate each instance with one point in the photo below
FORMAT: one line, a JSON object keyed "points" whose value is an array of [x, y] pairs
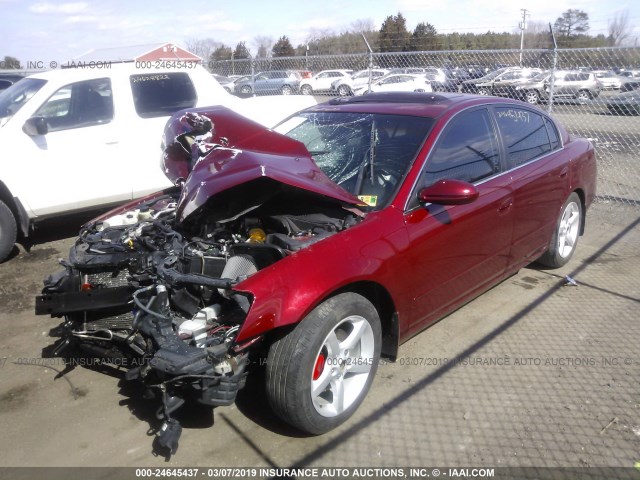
{"points": [[562, 82]]}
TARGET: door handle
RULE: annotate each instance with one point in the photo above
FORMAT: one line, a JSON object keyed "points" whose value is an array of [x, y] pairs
{"points": [[564, 172], [505, 206]]}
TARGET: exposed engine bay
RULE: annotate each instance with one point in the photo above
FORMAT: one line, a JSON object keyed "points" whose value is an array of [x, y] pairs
{"points": [[153, 287]]}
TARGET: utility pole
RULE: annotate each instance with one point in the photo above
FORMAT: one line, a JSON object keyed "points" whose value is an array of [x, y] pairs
{"points": [[523, 27]]}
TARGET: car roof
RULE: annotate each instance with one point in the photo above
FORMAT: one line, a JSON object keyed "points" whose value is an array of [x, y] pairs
{"points": [[410, 103]]}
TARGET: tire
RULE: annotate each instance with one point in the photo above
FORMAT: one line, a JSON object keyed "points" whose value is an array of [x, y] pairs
{"points": [[532, 97], [420, 90], [483, 91], [8, 231], [306, 89], [583, 96], [311, 356], [286, 90], [246, 89], [565, 236], [344, 91]]}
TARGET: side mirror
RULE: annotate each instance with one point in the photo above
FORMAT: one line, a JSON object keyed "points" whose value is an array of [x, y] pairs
{"points": [[449, 192], [35, 126]]}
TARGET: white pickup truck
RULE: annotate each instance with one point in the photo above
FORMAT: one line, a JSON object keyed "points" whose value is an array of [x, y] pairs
{"points": [[82, 138]]}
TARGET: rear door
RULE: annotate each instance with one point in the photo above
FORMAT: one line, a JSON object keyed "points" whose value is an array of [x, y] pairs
{"points": [[456, 251], [539, 175]]}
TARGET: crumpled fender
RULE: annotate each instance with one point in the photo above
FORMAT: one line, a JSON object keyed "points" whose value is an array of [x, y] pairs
{"points": [[285, 292]]}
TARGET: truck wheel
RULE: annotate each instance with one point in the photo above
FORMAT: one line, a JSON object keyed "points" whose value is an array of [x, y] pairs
{"points": [[319, 373], [565, 236], [8, 231]]}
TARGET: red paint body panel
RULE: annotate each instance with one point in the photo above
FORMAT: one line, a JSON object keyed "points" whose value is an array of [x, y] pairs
{"points": [[430, 259]]}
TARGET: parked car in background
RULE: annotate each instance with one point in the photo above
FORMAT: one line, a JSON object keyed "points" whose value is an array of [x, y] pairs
{"points": [[627, 103], [8, 79], [274, 82], [608, 79], [347, 85], [408, 70], [442, 79], [225, 82], [499, 82], [321, 81], [91, 136], [629, 73], [629, 85], [403, 82], [567, 85], [313, 249]]}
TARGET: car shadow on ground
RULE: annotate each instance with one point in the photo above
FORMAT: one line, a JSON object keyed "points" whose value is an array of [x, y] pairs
{"points": [[260, 412]]}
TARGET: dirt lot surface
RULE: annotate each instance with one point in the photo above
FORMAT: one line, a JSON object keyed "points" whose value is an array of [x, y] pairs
{"points": [[532, 373]]}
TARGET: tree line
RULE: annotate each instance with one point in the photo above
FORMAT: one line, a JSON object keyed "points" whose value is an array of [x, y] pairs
{"points": [[571, 31]]}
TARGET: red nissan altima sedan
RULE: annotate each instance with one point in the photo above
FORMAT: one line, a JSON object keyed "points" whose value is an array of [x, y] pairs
{"points": [[318, 246]]}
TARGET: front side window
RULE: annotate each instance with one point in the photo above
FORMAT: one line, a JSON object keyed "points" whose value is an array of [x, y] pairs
{"points": [[81, 104], [162, 94], [467, 150], [524, 134]]}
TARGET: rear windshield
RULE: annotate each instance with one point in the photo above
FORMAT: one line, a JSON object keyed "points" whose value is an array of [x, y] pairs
{"points": [[162, 94]]}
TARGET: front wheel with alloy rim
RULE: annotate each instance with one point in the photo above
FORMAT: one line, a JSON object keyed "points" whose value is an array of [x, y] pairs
{"points": [[286, 90], [483, 91], [320, 372], [565, 236], [245, 89], [306, 89]]}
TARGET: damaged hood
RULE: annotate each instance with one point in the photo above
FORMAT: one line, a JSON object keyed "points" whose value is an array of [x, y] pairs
{"points": [[232, 164]]}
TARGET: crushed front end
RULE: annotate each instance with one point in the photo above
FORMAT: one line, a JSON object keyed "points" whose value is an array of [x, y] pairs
{"points": [[151, 287]]}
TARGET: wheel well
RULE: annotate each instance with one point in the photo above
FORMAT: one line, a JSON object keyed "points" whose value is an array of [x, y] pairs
{"points": [[9, 201], [382, 301], [580, 193]]}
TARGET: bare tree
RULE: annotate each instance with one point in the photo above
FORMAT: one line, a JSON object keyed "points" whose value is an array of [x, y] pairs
{"points": [[619, 29], [202, 47], [263, 44], [362, 25]]}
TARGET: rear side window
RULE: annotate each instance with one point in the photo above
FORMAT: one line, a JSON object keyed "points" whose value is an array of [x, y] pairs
{"points": [[468, 150], [162, 94], [524, 134], [553, 134]]}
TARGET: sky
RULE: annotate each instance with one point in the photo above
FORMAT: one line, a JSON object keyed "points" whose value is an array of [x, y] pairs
{"points": [[44, 30]]}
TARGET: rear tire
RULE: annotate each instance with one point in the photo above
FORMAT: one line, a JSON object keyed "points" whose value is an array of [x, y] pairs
{"points": [[344, 91], [531, 97], [483, 91], [583, 96], [8, 231], [246, 89], [565, 236], [320, 372], [286, 90]]}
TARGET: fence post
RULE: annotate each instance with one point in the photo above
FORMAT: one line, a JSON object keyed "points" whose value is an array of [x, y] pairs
{"points": [[253, 76], [553, 70], [370, 62]]}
